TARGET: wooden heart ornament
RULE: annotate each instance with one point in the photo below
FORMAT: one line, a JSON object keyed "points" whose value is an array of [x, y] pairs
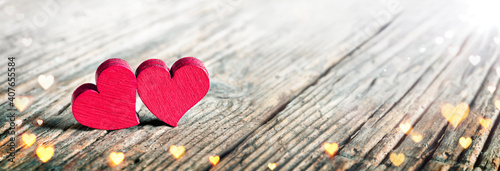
{"points": [[110, 104], [169, 94]]}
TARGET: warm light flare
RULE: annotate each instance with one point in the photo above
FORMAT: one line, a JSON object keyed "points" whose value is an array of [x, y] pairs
{"points": [[116, 158], [39, 122], [45, 153], [416, 137], [22, 102], [177, 151], [405, 127], [28, 139], [272, 166], [465, 142], [455, 114], [397, 159], [485, 122], [214, 160], [331, 148]]}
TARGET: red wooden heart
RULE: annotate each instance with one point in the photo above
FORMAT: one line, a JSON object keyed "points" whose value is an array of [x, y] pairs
{"points": [[170, 94], [110, 104]]}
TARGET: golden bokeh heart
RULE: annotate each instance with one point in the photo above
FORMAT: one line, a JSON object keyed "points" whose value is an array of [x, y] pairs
{"points": [[331, 149], [45, 81], [39, 122], [455, 114], [416, 137], [28, 139], [397, 159], [497, 104], [22, 102], [214, 160], [465, 142], [405, 127], [116, 158], [45, 153], [272, 166], [177, 151], [485, 122]]}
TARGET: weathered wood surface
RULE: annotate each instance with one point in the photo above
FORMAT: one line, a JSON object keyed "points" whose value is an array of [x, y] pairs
{"points": [[286, 76]]}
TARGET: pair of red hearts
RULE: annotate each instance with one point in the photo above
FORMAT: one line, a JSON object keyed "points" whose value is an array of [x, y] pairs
{"points": [[168, 94]]}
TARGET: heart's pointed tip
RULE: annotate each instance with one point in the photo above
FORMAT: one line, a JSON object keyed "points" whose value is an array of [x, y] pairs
{"points": [[171, 123], [174, 125]]}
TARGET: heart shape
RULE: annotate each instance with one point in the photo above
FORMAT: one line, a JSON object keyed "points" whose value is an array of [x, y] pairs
{"points": [[485, 122], [455, 114], [405, 127], [22, 102], [116, 158], [497, 104], [39, 122], [110, 104], [214, 160], [28, 139], [397, 159], [170, 94], [465, 142], [177, 151], [45, 81], [416, 137], [45, 153], [491, 88], [331, 149], [271, 166], [474, 59]]}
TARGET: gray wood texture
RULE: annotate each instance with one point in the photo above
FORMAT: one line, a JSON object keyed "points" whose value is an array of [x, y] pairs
{"points": [[286, 77]]}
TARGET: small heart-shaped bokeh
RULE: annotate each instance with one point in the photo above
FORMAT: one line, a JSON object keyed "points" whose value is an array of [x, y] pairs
{"points": [[397, 158], [331, 148], [455, 114], [45, 153], [214, 160], [177, 151], [116, 158], [28, 139], [465, 142]]}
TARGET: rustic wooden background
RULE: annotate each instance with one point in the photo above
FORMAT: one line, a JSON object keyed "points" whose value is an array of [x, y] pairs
{"points": [[286, 77]]}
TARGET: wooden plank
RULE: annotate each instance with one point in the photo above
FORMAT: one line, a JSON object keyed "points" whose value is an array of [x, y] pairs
{"points": [[253, 77], [326, 113], [451, 155]]}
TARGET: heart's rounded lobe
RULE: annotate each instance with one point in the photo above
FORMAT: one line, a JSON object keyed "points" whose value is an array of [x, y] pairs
{"points": [[169, 94], [110, 104]]}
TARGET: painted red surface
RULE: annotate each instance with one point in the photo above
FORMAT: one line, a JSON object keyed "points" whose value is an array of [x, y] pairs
{"points": [[169, 94], [110, 104]]}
